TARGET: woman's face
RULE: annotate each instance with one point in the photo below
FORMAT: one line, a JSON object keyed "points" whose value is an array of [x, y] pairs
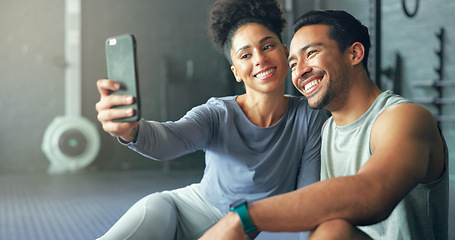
{"points": [[259, 59]]}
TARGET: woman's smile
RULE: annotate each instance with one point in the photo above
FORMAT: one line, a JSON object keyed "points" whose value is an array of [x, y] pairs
{"points": [[265, 74]]}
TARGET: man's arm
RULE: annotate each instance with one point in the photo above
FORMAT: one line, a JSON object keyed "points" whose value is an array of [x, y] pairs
{"points": [[402, 139]]}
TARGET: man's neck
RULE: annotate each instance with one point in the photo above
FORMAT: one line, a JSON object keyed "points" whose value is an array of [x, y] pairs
{"points": [[361, 96]]}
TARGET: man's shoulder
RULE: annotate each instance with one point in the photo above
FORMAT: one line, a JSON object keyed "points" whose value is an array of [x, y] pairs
{"points": [[407, 119], [406, 110]]}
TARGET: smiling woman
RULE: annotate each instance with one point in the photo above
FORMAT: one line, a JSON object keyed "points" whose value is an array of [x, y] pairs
{"points": [[259, 60], [261, 134]]}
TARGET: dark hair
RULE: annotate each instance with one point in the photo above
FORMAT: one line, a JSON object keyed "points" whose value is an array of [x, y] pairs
{"points": [[227, 16], [344, 29]]}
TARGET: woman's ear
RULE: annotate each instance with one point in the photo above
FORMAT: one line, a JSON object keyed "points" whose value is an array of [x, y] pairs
{"points": [[236, 75], [286, 50], [357, 53]]}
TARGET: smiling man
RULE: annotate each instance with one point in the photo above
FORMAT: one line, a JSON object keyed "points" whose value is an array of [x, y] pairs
{"points": [[383, 159]]}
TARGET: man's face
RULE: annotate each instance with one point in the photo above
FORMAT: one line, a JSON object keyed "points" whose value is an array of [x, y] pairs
{"points": [[319, 68]]}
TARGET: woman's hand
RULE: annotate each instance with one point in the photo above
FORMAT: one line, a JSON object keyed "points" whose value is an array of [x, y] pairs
{"points": [[106, 114]]}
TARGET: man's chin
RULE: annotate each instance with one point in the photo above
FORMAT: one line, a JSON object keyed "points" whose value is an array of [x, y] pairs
{"points": [[317, 103], [317, 107]]}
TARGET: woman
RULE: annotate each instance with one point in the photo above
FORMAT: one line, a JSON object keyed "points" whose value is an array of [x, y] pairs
{"points": [[256, 144]]}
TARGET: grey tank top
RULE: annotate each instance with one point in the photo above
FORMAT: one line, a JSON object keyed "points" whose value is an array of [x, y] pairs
{"points": [[422, 214]]}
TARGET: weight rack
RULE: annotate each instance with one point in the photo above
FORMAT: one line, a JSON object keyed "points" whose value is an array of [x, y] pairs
{"points": [[439, 84]]}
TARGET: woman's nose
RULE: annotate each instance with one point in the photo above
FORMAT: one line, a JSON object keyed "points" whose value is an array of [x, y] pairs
{"points": [[260, 58]]}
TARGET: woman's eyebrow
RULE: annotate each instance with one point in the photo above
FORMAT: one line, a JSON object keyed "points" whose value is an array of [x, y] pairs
{"points": [[260, 41]]}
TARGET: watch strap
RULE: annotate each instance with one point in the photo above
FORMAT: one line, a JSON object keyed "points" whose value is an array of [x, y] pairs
{"points": [[248, 226]]}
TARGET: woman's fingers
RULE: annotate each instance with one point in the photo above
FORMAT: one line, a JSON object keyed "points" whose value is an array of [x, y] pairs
{"points": [[107, 113], [109, 101], [110, 114], [106, 86]]}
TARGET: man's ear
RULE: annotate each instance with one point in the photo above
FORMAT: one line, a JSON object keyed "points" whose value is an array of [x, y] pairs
{"points": [[236, 75], [357, 53]]}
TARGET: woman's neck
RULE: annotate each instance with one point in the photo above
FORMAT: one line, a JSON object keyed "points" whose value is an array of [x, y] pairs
{"points": [[263, 110]]}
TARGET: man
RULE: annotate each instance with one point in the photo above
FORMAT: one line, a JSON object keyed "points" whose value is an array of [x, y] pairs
{"points": [[384, 161]]}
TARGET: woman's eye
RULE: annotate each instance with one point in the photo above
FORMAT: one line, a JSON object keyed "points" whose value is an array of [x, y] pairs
{"points": [[244, 56]]}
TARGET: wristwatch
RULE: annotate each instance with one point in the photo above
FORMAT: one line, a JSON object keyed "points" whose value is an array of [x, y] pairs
{"points": [[241, 208]]}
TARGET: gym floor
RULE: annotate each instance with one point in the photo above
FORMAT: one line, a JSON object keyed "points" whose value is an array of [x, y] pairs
{"points": [[78, 206], [85, 205]]}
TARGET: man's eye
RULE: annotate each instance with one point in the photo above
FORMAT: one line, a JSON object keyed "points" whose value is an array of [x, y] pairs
{"points": [[292, 66], [268, 47], [311, 53]]}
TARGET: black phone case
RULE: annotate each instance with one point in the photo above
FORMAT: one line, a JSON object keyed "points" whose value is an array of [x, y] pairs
{"points": [[122, 68]]}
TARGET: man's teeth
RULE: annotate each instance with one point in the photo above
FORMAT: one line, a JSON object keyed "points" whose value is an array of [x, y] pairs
{"points": [[263, 74], [312, 84]]}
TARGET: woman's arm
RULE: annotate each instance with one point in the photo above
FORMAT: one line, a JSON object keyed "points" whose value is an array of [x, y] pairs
{"points": [[310, 166], [168, 140]]}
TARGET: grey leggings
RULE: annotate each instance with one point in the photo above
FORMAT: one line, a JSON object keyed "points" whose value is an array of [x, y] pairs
{"points": [[177, 214]]}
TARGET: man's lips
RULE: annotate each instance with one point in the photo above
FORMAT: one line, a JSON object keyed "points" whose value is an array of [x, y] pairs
{"points": [[310, 83]]}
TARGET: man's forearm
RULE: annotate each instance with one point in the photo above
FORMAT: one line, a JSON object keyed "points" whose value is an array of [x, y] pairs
{"points": [[356, 200], [304, 209]]}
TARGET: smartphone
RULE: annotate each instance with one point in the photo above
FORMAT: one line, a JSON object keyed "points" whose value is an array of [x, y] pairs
{"points": [[122, 68]]}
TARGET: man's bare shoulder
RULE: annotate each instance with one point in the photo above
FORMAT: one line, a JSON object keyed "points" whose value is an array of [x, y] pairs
{"points": [[412, 125], [409, 114]]}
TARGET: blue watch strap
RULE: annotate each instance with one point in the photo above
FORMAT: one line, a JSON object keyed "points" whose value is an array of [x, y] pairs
{"points": [[242, 210]]}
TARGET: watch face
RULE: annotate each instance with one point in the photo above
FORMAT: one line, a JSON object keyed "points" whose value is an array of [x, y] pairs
{"points": [[237, 203]]}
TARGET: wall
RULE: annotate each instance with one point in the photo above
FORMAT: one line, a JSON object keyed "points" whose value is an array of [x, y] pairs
{"points": [[415, 40], [31, 76]]}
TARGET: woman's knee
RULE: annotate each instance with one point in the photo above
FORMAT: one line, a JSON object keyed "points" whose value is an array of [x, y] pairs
{"points": [[337, 229], [159, 209], [154, 216], [158, 201]]}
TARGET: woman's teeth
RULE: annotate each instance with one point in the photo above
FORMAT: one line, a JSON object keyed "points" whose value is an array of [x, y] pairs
{"points": [[263, 74], [312, 84]]}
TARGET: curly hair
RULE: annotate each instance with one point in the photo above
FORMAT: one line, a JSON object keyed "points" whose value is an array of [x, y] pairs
{"points": [[227, 16]]}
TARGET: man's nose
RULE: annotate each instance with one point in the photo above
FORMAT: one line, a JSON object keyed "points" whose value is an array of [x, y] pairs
{"points": [[301, 70]]}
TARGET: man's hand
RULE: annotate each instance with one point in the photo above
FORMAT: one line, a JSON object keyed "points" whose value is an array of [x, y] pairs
{"points": [[228, 228], [106, 114]]}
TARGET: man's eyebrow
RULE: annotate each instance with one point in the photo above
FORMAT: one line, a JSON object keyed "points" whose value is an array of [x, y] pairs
{"points": [[260, 41], [303, 49]]}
